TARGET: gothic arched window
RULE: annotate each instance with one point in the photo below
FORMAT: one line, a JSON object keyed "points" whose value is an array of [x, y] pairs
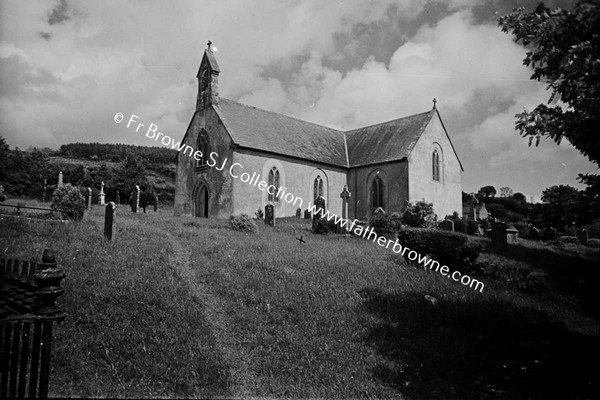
{"points": [[435, 165], [202, 146], [377, 193], [274, 181], [318, 187]]}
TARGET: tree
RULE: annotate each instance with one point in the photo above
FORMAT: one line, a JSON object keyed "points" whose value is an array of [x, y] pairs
{"points": [[419, 215], [497, 210], [564, 52], [519, 197], [486, 192], [506, 191], [131, 172], [561, 205]]}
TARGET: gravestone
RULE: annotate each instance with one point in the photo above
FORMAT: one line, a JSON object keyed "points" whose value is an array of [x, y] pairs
{"points": [[155, 203], [60, 179], [345, 195], [89, 199], [299, 213], [447, 225], [108, 220], [269, 215], [549, 234], [102, 195], [306, 214], [118, 198], [499, 236], [512, 235], [582, 236], [320, 209], [533, 233], [135, 199], [379, 212]]}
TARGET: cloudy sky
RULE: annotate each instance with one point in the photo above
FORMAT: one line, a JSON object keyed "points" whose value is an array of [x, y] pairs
{"points": [[66, 68]]}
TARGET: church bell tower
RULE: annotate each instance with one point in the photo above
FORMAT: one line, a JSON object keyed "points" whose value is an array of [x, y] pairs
{"points": [[208, 80]]}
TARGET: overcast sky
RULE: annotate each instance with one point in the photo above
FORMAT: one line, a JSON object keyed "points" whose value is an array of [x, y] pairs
{"points": [[66, 68]]}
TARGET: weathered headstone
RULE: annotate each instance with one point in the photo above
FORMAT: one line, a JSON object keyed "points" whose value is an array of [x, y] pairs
{"points": [[549, 234], [269, 214], [89, 198], [499, 236], [155, 203], [60, 179], [108, 220], [447, 225], [102, 195], [299, 213], [135, 199], [582, 236], [321, 208], [512, 235], [118, 198], [306, 214], [533, 233]]}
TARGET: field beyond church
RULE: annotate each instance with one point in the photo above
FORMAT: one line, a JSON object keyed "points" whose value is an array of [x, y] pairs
{"points": [[181, 307]]}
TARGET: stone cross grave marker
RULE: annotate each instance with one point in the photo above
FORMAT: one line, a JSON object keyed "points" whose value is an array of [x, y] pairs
{"points": [[269, 215], [108, 220], [582, 235], [345, 195], [118, 198], [89, 199], [102, 193], [320, 209]]}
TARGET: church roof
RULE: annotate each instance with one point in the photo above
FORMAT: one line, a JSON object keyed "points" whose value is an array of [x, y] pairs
{"points": [[387, 141], [258, 129], [276, 133]]}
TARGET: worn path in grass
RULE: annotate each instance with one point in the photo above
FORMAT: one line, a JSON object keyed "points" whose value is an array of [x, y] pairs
{"points": [[234, 355]]}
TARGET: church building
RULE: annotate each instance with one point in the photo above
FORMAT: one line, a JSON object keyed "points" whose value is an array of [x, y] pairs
{"points": [[385, 165]]}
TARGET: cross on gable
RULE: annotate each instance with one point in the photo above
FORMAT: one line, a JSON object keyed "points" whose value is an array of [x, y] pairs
{"points": [[345, 193]]}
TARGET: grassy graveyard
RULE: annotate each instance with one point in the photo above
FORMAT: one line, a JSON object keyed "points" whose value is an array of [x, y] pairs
{"points": [[180, 307]]}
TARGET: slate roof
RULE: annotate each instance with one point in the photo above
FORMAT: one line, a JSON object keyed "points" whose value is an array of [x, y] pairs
{"points": [[276, 133], [258, 129], [387, 141]]}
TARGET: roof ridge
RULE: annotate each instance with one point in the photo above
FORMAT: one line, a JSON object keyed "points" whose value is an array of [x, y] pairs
{"points": [[283, 115], [387, 122]]}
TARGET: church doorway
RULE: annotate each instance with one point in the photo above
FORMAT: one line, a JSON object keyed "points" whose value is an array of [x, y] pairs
{"points": [[201, 202]]}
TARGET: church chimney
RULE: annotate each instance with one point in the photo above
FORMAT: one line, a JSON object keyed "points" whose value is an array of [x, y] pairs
{"points": [[208, 80]]}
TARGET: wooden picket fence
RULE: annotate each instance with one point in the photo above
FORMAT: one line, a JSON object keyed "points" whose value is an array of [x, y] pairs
{"points": [[28, 312]]}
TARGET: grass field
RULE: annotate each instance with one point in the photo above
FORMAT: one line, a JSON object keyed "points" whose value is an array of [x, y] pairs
{"points": [[181, 307]]}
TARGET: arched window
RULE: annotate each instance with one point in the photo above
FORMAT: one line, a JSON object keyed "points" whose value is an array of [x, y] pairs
{"points": [[377, 193], [202, 146], [273, 180], [318, 187], [435, 165]]}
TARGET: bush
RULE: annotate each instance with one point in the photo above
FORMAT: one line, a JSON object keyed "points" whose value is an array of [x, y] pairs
{"points": [[242, 223], [383, 225], [419, 215], [569, 239], [68, 198], [448, 248], [472, 227], [593, 243], [2, 193], [323, 227], [259, 214]]}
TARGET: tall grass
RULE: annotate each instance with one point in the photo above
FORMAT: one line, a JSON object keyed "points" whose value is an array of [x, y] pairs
{"points": [[262, 314]]}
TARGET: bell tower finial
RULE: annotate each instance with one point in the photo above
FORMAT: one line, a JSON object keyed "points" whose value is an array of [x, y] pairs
{"points": [[209, 44], [208, 79]]}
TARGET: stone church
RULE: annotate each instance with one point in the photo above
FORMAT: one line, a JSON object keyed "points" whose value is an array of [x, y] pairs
{"points": [[385, 165]]}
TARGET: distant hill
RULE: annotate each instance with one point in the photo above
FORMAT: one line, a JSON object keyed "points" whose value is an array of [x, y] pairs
{"points": [[115, 152]]}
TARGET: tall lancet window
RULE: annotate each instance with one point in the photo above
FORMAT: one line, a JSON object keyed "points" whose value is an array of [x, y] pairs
{"points": [[435, 165], [377, 193], [318, 187], [202, 145], [274, 181]]}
